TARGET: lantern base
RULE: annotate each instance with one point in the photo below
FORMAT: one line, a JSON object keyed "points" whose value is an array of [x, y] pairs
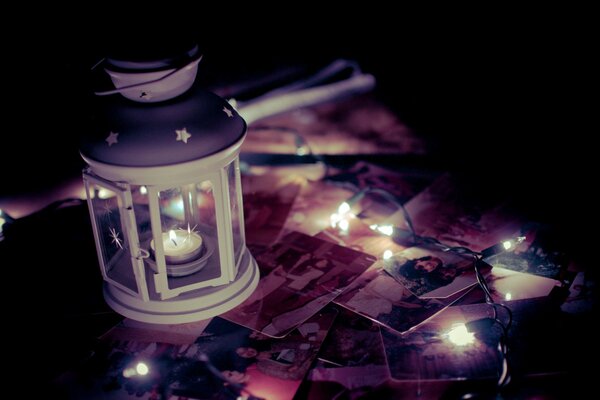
{"points": [[191, 306]]}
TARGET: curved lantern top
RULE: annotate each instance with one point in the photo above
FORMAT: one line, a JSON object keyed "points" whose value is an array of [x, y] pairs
{"points": [[187, 128], [138, 141], [158, 124]]}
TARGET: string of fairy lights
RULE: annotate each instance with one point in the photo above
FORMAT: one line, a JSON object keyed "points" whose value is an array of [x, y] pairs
{"points": [[410, 237]]}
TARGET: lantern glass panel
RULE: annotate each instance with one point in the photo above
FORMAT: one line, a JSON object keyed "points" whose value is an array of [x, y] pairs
{"points": [[189, 246], [139, 195], [236, 211], [114, 248]]}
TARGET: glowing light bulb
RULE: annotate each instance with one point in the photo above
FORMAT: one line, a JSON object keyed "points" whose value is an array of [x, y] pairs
{"points": [[103, 194], [386, 229], [387, 254], [302, 150], [344, 224], [142, 369], [341, 218], [143, 190], [460, 336], [334, 219], [508, 297], [343, 208], [506, 245], [511, 244]]}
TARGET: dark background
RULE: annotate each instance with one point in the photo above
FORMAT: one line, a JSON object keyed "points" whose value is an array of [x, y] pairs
{"points": [[500, 97], [506, 99]]}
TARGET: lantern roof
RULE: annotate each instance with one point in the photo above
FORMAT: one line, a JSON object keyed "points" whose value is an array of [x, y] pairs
{"points": [[188, 127]]}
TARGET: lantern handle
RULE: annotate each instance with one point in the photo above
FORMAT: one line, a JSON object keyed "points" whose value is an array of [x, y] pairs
{"points": [[143, 253], [121, 89]]}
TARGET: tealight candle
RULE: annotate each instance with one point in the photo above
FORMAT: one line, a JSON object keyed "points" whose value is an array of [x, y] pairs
{"points": [[180, 246]]}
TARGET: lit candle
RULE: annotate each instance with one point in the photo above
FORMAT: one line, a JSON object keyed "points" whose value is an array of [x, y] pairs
{"points": [[180, 246]]}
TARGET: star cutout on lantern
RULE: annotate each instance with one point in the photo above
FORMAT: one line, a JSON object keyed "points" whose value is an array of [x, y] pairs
{"points": [[112, 138], [183, 135], [228, 112]]}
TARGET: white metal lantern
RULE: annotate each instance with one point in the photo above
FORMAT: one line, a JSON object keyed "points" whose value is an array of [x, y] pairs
{"points": [[165, 199]]}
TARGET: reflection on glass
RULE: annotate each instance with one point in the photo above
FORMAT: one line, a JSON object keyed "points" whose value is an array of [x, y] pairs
{"points": [[114, 245], [236, 212]]}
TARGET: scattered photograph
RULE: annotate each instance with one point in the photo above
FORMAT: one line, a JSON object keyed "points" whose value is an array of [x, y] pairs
{"points": [[435, 352], [130, 329], [583, 295], [539, 254], [267, 203], [353, 341], [508, 285], [300, 275], [430, 273], [454, 212], [402, 185], [378, 296], [312, 209]]}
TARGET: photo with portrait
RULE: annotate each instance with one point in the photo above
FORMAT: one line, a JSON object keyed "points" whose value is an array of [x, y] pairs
{"points": [[432, 274]]}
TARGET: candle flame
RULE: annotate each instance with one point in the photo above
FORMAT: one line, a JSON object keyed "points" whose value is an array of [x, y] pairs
{"points": [[173, 236]]}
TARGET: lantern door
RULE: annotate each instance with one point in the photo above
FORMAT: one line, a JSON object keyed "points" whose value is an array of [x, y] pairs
{"points": [[187, 245]]}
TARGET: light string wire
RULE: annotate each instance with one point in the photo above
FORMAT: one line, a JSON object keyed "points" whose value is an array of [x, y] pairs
{"points": [[429, 241], [173, 70], [302, 148]]}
